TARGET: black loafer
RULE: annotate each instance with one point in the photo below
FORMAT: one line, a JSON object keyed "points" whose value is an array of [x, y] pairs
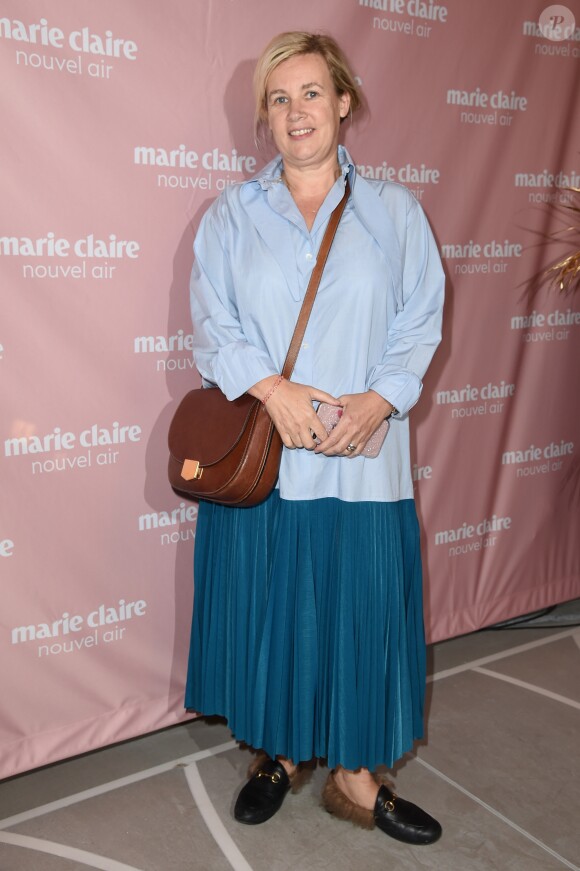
{"points": [[263, 794], [403, 820]]}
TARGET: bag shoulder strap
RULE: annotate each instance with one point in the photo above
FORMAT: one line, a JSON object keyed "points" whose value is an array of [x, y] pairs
{"points": [[312, 288]]}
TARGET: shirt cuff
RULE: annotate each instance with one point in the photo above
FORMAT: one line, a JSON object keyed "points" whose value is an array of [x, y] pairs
{"points": [[239, 366], [400, 389]]}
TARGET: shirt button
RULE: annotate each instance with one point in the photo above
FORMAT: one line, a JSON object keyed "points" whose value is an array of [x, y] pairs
{"points": [[309, 256], [305, 345]]}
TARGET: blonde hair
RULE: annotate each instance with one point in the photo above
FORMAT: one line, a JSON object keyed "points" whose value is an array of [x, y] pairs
{"points": [[296, 42]]}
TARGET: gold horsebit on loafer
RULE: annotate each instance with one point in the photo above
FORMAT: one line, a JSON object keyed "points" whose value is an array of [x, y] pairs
{"points": [[389, 803], [275, 777]]}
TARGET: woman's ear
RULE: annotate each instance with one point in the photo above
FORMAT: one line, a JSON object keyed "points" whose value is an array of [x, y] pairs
{"points": [[344, 105]]}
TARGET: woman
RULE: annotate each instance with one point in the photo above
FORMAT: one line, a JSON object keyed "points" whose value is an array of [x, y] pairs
{"points": [[307, 631]]}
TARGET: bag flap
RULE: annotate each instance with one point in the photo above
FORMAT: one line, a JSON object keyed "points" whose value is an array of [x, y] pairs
{"points": [[207, 425]]}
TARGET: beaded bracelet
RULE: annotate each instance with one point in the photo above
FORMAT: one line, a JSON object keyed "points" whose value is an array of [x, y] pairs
{"points": [[272, 389]]}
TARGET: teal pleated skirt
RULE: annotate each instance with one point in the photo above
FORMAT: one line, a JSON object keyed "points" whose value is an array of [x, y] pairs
{"points": [[307, 628]]}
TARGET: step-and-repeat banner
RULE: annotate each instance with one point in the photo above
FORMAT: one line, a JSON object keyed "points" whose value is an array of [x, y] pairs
{"points": [[121, 121]]}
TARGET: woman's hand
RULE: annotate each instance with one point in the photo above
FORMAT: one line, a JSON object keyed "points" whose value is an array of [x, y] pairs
{"points": [[362, 414], [290, 407]]}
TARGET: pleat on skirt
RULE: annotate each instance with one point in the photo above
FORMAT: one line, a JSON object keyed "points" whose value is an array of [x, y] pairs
{"points": [[307, 630]]}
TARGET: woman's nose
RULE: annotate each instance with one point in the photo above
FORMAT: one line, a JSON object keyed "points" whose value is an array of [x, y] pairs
{"points": [[295, 111]]}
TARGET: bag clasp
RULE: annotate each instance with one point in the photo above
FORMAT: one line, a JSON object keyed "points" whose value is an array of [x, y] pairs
{"points": [[191, 470]]}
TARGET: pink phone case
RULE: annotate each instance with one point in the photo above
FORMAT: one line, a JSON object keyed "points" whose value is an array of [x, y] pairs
{"points": [[330, 415]]}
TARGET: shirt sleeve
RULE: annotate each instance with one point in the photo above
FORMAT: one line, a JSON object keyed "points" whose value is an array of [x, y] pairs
{"points": [[415, 331], [221, 351]]}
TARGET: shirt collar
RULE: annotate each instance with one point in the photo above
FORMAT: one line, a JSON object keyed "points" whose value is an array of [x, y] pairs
{"points": [[271, 174]]}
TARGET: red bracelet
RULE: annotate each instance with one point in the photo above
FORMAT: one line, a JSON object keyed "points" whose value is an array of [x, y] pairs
{"points": [[272, 389]]}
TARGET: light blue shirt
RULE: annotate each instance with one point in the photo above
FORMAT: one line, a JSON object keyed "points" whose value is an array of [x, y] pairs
{"points": [[376, 320]]}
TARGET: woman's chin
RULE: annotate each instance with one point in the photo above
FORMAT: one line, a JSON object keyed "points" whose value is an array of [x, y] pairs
{"points": [[306, 152]]}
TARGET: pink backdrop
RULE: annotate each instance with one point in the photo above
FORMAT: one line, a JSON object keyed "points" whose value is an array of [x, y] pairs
{"points": [[121, 123]]}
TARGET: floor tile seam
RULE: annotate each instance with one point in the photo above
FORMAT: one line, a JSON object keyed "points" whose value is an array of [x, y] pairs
{"points": [[497, 814], [64, 851], [212, 820], [556, 697], [512, 651], [110, 786]]}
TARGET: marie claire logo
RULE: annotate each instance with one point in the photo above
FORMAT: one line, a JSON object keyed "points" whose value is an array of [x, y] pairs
{"points": [[422, 473], [473, 537], [479, 107], [557, 25], [552, 326], [546, 181], [97, 443], [180, 343], [535, 460], [93, 51], [105, 623], [471, 401], [415, 177], [482, 258], [209, 166], [417, 13], [164, 520], [6, 547], [57, 249]]}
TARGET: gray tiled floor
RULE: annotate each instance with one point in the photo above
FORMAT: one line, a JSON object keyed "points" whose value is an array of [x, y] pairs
{"points": [[500, 768]]}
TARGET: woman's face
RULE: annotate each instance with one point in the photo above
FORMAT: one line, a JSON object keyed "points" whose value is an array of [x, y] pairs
{"points": [[304, 111]]}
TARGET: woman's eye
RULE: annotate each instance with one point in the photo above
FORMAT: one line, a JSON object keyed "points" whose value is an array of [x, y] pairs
{"points": [[311, 94], [279, 99]]}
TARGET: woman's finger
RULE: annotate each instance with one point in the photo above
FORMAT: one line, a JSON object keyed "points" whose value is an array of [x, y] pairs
{"points": [[340, 438], [322, 396]]}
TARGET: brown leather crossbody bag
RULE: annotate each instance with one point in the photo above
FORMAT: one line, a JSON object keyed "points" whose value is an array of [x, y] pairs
{"points": [[229, 451]]}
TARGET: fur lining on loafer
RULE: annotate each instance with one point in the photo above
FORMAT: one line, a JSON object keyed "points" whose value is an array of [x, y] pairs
{"points": [[339, 805], [394, 816]]}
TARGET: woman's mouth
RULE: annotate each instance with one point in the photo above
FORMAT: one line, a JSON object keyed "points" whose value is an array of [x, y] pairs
{"points": [[304, 131]]}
